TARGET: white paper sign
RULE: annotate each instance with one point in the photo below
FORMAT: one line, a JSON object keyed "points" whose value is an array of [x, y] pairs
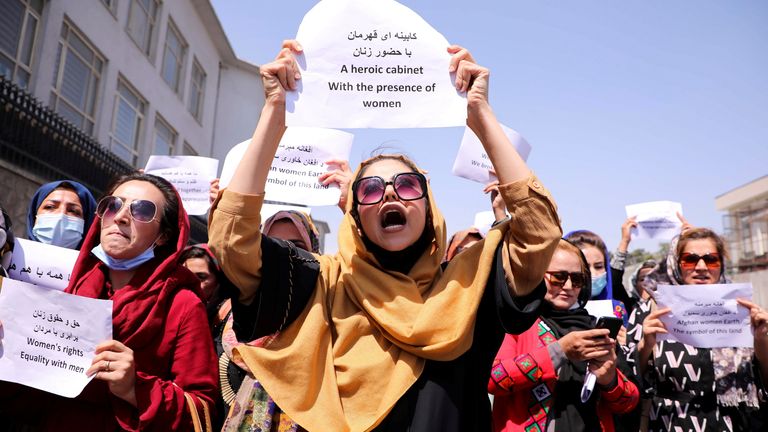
{"points": [[656, 219], [706, 316], [49, 337], [190, 175], [300, 159], [372, 64], [484, 221], [472, 161], [41, 264], [600, 308]]}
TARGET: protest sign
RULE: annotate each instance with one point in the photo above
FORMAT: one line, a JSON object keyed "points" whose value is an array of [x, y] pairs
{"points": [[656, 220], [472, 161], [190, 175], [706, 316], [300, 159], [49, 337], [372, 64], [41, 264]]}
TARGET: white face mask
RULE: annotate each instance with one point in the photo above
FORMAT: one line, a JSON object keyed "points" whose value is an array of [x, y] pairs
{"points": [[123, 264], [59, 230]]}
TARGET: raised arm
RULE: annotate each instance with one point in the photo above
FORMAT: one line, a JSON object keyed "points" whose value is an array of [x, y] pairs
{"points": [[474, 79], [278, 76], [535, 228], [234, 236]]}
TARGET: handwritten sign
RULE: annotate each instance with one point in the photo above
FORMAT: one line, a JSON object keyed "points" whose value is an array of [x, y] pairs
{"points": [[190, 175], [706, 316], [41, 264], [472, 161], [656, 219], [300, 159], [49, 337], [372, 65]]}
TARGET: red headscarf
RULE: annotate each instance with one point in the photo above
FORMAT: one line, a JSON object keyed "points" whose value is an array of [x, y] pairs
{"points": [[139, 308]]}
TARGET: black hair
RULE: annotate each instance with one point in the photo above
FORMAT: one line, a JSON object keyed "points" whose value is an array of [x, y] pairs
{"points": [[169, 220]]}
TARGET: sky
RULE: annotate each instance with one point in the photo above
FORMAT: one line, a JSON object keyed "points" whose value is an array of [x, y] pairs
{"points": [[622, 102]]}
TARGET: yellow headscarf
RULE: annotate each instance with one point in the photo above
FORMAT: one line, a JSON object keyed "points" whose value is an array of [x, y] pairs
{"points": [[365, 335]]}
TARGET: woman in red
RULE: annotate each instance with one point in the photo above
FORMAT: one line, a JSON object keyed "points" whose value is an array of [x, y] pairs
{"points": [[162, 346], [537, 376]]}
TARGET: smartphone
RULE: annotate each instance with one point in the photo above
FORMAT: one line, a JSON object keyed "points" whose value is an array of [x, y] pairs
{"points": [[613, 324]]}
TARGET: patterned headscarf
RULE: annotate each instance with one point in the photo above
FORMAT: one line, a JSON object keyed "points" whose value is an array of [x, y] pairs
{"points": [[303, 224]]}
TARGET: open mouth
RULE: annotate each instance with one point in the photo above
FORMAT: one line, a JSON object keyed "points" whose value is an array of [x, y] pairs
{"points": [[392, 220], [701, 278]]}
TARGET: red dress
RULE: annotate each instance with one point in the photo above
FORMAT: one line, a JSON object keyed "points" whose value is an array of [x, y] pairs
{"points": [[523, 379], [158, 315]]}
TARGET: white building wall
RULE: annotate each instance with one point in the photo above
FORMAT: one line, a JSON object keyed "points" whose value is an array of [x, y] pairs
{"points": [[241, 98], [107, 33]]}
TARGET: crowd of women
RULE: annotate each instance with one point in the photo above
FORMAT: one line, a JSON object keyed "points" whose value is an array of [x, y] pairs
{"points": [[399, 330]]}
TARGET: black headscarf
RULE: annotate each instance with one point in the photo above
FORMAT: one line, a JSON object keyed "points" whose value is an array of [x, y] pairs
{"points": [[567, 410]]}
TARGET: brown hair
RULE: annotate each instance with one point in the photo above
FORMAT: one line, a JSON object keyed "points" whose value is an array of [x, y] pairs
{"points": [[701, 234], [377, 158], [566, 246], [585, 237]]}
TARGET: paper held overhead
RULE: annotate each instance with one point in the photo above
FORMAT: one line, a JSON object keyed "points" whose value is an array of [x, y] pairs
{"points": [[656, 219], [374, 64], [472, 161]]}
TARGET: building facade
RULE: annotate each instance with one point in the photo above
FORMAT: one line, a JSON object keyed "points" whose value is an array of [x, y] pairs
{"points": [[746, 234], [138, 77]]}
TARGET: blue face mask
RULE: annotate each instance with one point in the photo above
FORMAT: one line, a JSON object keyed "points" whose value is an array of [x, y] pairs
{"points": [[59, 230], [598, 284], [123, 264]]}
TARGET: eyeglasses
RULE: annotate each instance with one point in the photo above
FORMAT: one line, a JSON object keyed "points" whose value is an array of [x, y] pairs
{"points": [[559, 278], [408, 186], [689, 261], [143, 211]]}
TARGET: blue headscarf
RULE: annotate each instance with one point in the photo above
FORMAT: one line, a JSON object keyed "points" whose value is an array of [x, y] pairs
{"points": [[86, 201]]}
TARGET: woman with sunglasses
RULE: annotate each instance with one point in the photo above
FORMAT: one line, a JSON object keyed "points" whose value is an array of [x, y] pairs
{"points": [[537, 376], [162, 346], [378, 336], [60, 214], [702, 388]]}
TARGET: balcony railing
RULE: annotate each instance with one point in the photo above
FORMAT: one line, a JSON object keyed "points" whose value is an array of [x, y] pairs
{"points": [[39, 141]]}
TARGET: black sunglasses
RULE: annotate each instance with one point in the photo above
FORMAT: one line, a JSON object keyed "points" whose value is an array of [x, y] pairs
{"points": [[559, 278], [408, 186], [143, 211]]}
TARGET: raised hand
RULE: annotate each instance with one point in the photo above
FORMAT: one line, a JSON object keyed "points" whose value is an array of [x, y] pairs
{"points": [[342, 176], [626, 233], [281, 74]]}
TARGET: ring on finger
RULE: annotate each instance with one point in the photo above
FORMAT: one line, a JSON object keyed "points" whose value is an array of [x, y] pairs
{"points": [[107, 368]]}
